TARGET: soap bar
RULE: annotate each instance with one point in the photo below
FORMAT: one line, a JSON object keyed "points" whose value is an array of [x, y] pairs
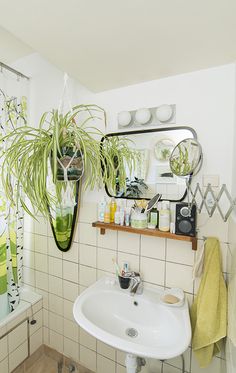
{"points": [[171, 299]]}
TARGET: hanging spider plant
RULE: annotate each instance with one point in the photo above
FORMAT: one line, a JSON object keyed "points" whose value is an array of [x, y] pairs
{"points": [[33, 154]]}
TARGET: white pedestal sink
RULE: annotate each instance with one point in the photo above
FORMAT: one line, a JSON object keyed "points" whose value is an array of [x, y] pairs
{"points": [[141, 325]]}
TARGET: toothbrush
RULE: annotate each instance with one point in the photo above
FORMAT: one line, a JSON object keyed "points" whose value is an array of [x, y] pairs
{"points": [[118, 271]]}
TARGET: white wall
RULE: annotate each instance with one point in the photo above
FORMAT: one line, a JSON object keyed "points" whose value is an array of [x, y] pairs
{"points": [[204, 100]]}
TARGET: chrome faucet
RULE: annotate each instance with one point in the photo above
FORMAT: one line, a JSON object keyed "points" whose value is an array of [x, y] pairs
{"points": [[136, 286]]}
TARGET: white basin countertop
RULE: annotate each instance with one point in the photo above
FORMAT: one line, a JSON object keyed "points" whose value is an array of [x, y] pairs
{"points": [[107, 312]]}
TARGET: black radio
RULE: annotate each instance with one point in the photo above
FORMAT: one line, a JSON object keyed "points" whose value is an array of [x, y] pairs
{"points": [[185, 220]]}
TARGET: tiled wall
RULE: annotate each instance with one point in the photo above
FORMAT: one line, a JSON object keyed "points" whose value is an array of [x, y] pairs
{"points": [[60, 277], [14, 343]]}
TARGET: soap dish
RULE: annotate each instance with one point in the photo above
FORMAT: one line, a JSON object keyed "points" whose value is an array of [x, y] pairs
{"points": [[173, 297]]}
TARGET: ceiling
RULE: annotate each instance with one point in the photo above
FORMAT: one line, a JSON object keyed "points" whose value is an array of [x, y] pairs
{"points": [[107, 44], [11, 48]]}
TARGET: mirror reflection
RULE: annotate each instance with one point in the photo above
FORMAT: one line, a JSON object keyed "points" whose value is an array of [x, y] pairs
{"points": [[151, 173]]}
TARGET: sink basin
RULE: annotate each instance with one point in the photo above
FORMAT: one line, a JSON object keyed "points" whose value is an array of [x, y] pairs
{"points": [[141, 324]]}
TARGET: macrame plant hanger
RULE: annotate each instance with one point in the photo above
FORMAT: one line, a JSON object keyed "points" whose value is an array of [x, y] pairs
{"points": [[68, 182]]}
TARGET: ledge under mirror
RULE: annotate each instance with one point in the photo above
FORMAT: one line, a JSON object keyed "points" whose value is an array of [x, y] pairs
{"points": [[151, 173]]}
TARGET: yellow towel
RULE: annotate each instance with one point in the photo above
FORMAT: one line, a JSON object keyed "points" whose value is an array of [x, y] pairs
{"points": [[209, 310]]}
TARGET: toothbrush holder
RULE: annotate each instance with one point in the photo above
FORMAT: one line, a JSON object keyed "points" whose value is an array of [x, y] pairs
{"points": [[124, 282]]}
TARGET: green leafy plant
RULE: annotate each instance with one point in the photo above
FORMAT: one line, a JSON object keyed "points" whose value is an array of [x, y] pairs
{"points": [[134, 188], [32, 155], [179, 162]]}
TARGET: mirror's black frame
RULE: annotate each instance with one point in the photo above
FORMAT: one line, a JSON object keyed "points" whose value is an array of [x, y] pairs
{"points": [[112, 134]]}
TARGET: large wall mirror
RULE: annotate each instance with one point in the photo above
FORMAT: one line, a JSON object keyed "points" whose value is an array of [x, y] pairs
{"points": [[152, 173]]}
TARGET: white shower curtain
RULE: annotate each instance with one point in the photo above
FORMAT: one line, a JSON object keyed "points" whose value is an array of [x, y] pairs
{"points": [[13, 101]]}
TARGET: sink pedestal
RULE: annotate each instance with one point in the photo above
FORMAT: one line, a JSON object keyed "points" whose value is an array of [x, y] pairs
{"points": [[131, 363], [134, 363]]}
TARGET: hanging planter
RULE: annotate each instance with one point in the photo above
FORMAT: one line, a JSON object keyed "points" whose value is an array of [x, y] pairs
{"points": [[63, 149], [70, 164]]}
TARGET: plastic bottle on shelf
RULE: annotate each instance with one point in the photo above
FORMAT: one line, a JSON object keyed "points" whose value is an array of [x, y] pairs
{"points": [[117, 215], [107, 214], [164, 217], [113, 207], [101, 210]]}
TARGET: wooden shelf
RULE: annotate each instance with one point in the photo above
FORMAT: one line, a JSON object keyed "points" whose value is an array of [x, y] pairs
{"points": [[146, 232]]}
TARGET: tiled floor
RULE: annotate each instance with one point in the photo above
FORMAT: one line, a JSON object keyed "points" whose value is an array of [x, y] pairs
{"points": [[45, 365]]}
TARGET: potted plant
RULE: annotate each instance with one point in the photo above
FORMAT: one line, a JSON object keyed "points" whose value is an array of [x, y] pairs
{"points": [[64, 146]]}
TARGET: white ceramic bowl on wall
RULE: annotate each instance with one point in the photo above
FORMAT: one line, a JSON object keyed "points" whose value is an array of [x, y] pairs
{"points": [[124, 118], [142, 116], [164, 113]]}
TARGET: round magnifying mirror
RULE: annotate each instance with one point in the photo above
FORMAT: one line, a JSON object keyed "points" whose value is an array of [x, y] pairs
{"points": [[186, 158]]}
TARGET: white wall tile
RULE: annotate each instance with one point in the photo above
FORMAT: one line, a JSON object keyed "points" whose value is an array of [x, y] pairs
{"points": [[40, 226], [70, 290], [129, 243], [88, 358], [45, 318], [120, 357], [120, 369], [177, 361], [3, 348], [4, 365], [179, 252], [179, 275], [106, 350], [214, 367], [36, 340], [153, 270], [41, 244], [46, 336], [41, 262], [56, 304], [105, 365], [18, 355], [133, 261], [100, 274], [28, 258], [87, 234], [87, 255], [88, 212], [71, 349], [56, 341], [70, 271], [38, 316], [56, 323], [55, 266], [55, 285], [53, 249], [17, 336], [153, 247], [41, 280], [105, 259], [68, 310], [72, 254], [29, 276], [170, 369], [87, 275], [71, 330], [45, 297], [87, 340], [108, 240], [28, 241]]}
